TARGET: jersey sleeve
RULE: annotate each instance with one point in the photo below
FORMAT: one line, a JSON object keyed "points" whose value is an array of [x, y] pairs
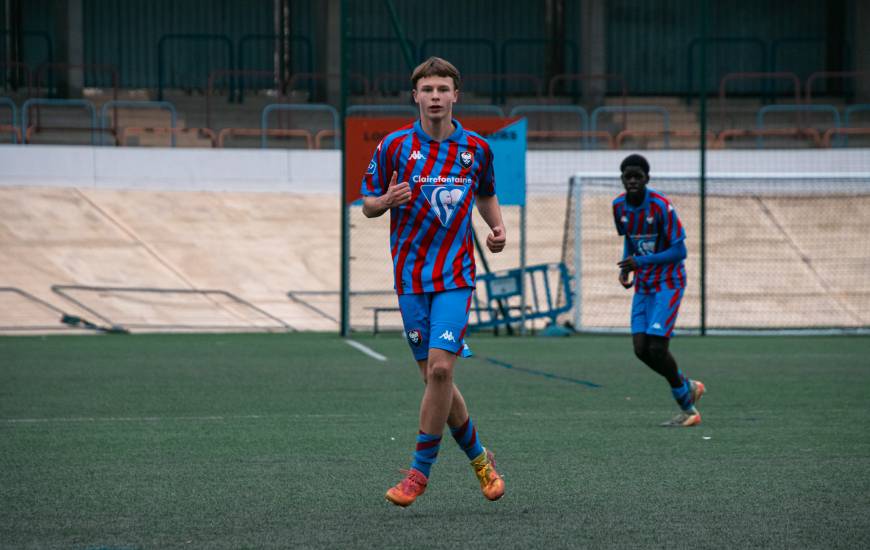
{"points": [[620, 227], [486, 185], [376, 178], [672, 226]]}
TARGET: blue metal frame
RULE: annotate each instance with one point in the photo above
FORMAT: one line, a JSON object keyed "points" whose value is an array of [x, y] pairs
{"points": [[521, 110], [264, 118], [11, 104], [501, 286], [666, 117], [129, 103], [25, 108], [759, 117]]}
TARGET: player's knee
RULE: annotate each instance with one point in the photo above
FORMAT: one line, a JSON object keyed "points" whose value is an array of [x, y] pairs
{"points": [[658, 350], [640, 350], [440, 372]]}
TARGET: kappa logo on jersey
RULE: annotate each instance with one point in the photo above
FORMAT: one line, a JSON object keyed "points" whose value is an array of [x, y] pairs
{"points": [[414, 337], [372, 167], [445, 200], [415, 155], [448, 336], [466, 158]]}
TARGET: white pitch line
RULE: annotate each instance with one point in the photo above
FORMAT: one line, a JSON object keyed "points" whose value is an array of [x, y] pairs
{"points": [[85, 419], [365, 349]]}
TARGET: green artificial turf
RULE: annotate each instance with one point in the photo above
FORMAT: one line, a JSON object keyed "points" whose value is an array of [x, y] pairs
{"points": [[290, 441]]}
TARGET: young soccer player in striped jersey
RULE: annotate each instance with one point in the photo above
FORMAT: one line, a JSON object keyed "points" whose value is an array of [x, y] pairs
{"points": [[654, 250], [429, 175]]}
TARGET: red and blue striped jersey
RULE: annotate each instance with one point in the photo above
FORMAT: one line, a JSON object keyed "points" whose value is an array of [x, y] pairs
{"points": [[430, 236], [651, 228]]}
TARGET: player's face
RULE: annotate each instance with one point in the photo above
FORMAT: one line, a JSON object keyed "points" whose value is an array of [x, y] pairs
{"points": [[634, 180], [436, 95]]}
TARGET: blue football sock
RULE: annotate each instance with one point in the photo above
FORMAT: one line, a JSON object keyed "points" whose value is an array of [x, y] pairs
{"points": [[466, 437], [683, 394], [426, 453]]}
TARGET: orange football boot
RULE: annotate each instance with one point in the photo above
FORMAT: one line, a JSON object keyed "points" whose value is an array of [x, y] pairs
{"points": [[491, 483], [406, 491]]}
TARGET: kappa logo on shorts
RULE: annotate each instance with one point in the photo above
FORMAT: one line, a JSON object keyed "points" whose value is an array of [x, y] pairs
{"points": [[415, 337], [445, 200], [448, 336], [657, 325], [466, 159]]}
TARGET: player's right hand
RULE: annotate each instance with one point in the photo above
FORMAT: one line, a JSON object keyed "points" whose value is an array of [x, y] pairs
{"points": [[397, 194], [625, 278]]}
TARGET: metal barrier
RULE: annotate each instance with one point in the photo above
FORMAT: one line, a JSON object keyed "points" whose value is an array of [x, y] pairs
{"points": [[35, 102], [759, 118], [11, 128], [505, 292], [161, 130], [827, 75], [264, 119], [134, 104], [764, 76], [259, 132], [161, 44], [575, 110], [62, 290], [69, 321], [827, 137], [695, 42], [214, 75], [852, 109], [666, 118]]}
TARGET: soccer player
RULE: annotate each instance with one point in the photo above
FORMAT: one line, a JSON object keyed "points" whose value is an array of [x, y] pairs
{"points": [[654, 250], [428, 175]]}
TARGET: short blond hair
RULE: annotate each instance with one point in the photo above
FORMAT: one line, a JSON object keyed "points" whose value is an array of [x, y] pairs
{"points": [[435, 66]]}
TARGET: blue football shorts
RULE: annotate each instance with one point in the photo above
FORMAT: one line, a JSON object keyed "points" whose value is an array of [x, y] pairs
{"points": [[436, 320], [656, 313]]}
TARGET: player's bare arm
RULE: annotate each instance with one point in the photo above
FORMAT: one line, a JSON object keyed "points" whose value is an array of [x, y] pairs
{"points": [[397, 194], [491, 213]]}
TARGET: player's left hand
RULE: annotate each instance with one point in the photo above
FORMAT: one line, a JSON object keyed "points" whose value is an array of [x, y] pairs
{"points": [[628, 264], [496, 240]]}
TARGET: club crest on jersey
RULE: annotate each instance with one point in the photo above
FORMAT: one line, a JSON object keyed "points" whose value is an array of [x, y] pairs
{"points": [[445, 200], [466, 158], [414, 337]]}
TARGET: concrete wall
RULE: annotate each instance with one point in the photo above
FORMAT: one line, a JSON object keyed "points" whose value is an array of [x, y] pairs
{"points": [[320, 171]]}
